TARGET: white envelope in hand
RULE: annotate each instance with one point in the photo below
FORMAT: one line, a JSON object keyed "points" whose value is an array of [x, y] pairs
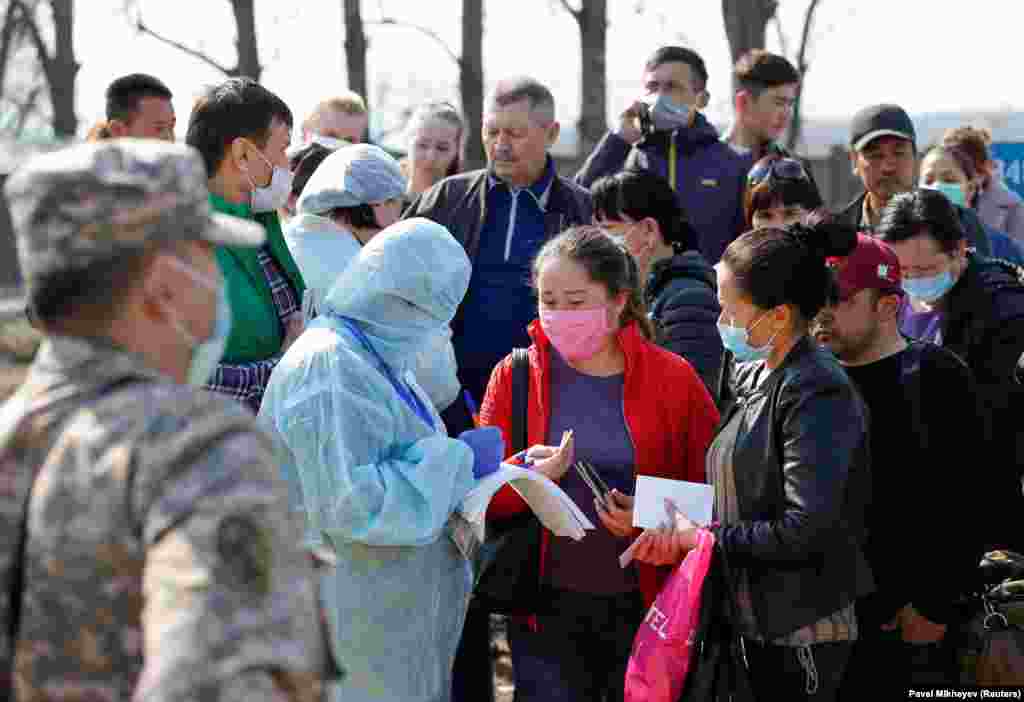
{"points": [[694, 500]]}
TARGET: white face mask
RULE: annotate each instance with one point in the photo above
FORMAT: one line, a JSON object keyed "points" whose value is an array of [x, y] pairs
{"points": [[206, 354], [329, 142], [274, 196]]}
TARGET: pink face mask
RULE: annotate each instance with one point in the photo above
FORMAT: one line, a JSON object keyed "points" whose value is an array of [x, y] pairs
{"points": [[576, 334]]}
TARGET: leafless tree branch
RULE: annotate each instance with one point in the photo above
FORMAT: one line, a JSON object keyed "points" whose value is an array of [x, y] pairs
{"points": [[801, 59], [194, 53], [571, 10], [426, 31]]}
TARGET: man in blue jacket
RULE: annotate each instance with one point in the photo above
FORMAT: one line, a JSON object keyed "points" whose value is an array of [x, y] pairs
{"points": [[664, 132]]}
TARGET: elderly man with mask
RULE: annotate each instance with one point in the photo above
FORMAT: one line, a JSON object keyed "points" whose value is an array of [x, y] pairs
{"points": [[355, 193], [121, 483], [373, 470]]}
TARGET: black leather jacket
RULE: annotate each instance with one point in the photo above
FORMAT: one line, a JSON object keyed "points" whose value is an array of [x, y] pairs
{"points": [[802, 470]]}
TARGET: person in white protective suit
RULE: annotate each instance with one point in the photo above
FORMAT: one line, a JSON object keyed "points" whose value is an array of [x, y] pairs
{"points": [[372, 468], [355, 193]]}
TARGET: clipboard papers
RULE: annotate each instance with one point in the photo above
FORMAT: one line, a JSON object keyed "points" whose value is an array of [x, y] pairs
{"points": [[553, 507]]}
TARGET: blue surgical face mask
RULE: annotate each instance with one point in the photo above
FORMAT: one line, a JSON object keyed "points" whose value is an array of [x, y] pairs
{"points": [[666, 113], [953, 191], [930, 289], [206, 354], [737, 341]]}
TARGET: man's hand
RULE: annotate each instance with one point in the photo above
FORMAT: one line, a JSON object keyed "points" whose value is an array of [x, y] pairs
{"points": [[629, 123], [617, 514]]}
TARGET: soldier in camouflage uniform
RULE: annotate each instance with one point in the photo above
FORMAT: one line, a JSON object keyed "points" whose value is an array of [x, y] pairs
{"points": [[146, 550]]}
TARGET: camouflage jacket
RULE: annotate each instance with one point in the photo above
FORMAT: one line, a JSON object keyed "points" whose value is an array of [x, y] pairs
{"points": [[160, 561]]}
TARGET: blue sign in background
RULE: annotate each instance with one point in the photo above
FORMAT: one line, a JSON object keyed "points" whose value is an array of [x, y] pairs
{"points": [[1009, 158]]}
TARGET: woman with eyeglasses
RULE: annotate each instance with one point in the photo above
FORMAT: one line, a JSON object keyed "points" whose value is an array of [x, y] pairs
{"points": [[780, 192]]}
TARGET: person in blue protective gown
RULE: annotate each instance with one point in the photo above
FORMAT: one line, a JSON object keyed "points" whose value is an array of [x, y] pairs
{"points": [[372, 469]]}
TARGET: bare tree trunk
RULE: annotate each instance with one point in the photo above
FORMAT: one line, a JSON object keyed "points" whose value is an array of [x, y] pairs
{"points": [[7, 36], [355, 49], [745, 23], [248, 50], [796, 123], [471, 80], [62, 69], [593, 21]]}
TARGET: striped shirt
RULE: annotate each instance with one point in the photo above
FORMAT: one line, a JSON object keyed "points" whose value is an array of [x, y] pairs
{"points": [[247, 381]]}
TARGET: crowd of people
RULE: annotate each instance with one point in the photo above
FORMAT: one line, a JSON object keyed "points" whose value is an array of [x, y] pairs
{"points": [[272, 372]]}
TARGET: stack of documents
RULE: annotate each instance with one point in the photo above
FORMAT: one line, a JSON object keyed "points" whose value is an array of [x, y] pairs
{"points": [[553, 507]]}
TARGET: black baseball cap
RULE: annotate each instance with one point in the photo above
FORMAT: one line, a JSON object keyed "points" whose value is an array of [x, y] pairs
{"points": [[878, 121]]}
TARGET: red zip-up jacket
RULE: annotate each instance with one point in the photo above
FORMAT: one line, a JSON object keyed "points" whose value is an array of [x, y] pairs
{"points": [[669, 414]]}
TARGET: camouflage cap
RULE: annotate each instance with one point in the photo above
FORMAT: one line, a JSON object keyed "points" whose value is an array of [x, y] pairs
{"points": [[93, 202]]}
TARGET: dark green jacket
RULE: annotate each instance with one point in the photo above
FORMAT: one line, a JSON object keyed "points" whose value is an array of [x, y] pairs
{"points": [[256, 331]]}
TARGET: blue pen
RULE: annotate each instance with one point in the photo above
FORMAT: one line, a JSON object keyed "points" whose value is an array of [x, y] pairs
{"points": [[474, 411]]}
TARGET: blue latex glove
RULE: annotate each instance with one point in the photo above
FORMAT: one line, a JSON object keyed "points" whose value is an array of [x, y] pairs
{"points": [[488, 449]]}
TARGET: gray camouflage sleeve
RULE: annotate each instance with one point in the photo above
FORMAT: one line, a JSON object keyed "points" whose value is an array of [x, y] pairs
{"points": [[230, 604]]}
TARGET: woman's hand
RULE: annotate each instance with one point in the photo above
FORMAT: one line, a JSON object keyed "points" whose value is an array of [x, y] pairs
{"points": [[616, 513], [668, 545], [915, 628], [553, 461]]}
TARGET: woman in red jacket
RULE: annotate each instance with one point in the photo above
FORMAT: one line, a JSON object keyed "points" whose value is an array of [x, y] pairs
{"points": [[634, 409]]}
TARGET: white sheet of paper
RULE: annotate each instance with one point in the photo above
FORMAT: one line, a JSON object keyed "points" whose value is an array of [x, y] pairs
{"points": [[549, 502], [695, 500]]}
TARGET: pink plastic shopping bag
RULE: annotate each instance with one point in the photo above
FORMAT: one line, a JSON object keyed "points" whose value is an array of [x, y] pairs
{"points": [[663, 645]]}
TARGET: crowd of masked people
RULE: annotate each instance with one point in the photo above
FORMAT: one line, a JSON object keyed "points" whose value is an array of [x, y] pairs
{"points": [[274, 367]]}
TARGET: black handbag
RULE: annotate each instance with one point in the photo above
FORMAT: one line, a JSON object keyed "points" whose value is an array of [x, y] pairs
{"points": [[509, 559], [719, 671]]}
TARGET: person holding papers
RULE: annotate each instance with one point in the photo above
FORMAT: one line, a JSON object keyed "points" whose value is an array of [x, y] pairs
{"points": [[790, 467], [633, 408], [372, 470]]}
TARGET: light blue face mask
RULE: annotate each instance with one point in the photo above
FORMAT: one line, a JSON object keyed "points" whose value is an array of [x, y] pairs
{"points": [[666, 113], [930, 289], [953, 191], [207, 354], [737, 341]]}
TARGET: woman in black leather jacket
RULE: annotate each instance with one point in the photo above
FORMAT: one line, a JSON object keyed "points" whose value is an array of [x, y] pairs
{"points": [[790, 466]]}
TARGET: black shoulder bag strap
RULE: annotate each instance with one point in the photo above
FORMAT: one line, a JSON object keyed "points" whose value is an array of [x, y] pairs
{"points": [[520, 398]]}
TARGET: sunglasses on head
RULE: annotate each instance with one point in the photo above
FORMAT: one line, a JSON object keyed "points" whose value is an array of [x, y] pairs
{"points": [[780, 168]]}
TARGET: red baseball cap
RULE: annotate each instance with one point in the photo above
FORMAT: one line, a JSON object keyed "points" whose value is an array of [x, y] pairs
{"points": [[873, 264]]}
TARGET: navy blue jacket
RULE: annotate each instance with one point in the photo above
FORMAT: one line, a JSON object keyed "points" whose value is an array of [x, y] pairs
{"points": [[710, 177], [682, 302]]}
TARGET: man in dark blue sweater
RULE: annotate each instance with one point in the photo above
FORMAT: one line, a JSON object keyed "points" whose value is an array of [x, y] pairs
{"points": [[503, 215]]}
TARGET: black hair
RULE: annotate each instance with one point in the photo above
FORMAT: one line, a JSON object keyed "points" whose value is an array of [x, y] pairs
{"points": [[639, 194], [679, 54], [304, 163], [773, 191], [758, 70], [125, 93], [787, 266], [919, 212], [92, 293], [238, 107], [607, 262], [357, 216]]}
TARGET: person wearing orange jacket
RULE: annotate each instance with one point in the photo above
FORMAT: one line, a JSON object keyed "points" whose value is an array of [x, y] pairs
{"points": [[634, 409]]}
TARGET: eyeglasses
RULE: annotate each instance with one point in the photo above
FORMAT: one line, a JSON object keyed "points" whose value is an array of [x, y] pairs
{"points": [[780, 168]]}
